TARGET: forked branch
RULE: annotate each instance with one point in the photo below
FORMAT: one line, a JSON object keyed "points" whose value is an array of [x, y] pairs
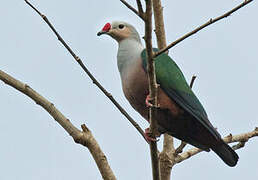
{"points": [[83, 137], [139, 13], [241, 138], [139, 5]]}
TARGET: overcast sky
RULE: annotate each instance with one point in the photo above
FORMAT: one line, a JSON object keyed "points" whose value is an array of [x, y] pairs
{"points": [[34, 146]]}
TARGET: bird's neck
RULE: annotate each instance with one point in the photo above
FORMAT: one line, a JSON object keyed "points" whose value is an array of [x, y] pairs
{"points": [[129, 51]]}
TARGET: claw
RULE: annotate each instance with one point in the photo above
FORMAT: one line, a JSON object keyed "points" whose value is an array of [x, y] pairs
{"points": [[147, 101], [147, 137]]}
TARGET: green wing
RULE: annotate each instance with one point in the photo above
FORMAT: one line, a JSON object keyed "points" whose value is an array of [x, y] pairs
{"points": [[172, 81]]}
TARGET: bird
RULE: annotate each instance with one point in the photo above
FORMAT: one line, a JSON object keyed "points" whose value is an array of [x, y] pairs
{"points": [[180, 113]]}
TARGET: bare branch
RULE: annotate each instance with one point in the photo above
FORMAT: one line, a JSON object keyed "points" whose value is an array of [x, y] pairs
{"points": [[211, 21], [140, 13], [94, 80], [153, 91], [139, 5], [166, 157], [130, 7], [84, 137], [228, 139], [159, 24]]}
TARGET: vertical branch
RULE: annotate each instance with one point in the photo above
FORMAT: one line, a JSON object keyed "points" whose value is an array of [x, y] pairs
{"points": [[153, 89], [159, 24], [166, 157]]}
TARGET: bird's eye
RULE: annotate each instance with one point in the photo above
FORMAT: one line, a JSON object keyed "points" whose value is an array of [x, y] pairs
{"points": [[121, 26]]}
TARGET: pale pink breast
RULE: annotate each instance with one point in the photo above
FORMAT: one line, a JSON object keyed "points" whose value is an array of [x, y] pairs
{"points": [[135, 87]]}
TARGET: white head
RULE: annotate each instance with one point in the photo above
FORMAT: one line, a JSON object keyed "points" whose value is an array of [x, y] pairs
{"points": [[119, 31]]}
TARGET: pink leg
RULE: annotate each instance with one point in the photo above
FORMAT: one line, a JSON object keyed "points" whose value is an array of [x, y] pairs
{"points": [[147, 101], [147, 137]]}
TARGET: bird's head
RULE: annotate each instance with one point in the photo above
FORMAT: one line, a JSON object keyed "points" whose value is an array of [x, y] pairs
{"points": [[119, 31]]}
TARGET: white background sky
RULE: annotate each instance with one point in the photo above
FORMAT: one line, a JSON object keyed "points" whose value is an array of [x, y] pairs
{"points": [[34, 146]]}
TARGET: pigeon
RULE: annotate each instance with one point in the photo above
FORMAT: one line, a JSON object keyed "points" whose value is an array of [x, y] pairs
{"points": [[180, 113]]}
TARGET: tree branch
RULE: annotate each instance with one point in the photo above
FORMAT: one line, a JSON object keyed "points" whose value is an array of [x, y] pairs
{"points": [[241, 138], [84, 137], [139, 13], [94, 80], [211, 21], [140, 10], [159, 24], [166, 156], [153, 91]]}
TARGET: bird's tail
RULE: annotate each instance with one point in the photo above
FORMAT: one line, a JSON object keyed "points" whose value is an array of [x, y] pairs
{"points": [[226, 153]]}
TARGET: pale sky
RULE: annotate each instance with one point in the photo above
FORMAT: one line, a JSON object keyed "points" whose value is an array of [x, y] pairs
{"points": [[34, 146]]}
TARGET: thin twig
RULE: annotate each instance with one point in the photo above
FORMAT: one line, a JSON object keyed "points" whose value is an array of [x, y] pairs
{"points": [[180, 148], [192, 81], [84, 137], [139, 5], [211, 21], [153, 91], [228, 139], [94, 80], [141, 15]]}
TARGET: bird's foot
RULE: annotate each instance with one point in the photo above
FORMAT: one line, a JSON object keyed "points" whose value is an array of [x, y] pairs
{"points": [[147, 136], [148, 104], [147, 101]]}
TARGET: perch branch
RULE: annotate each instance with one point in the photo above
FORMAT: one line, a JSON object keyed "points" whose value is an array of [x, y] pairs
{"points": [[83, 137], [139, 13], [153, 91], [211, 21], [94, 80], [166, 156], [241, 138]]}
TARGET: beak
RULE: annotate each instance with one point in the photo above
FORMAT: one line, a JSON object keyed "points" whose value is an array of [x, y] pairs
{"points": [[105, 29], [101, 32]]}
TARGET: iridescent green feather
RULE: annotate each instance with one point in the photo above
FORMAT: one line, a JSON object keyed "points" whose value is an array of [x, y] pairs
{"points": [[172, 81]]}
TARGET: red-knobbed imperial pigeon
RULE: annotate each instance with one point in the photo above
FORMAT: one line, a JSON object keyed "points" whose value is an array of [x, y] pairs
{"points": [[180, 113]]}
